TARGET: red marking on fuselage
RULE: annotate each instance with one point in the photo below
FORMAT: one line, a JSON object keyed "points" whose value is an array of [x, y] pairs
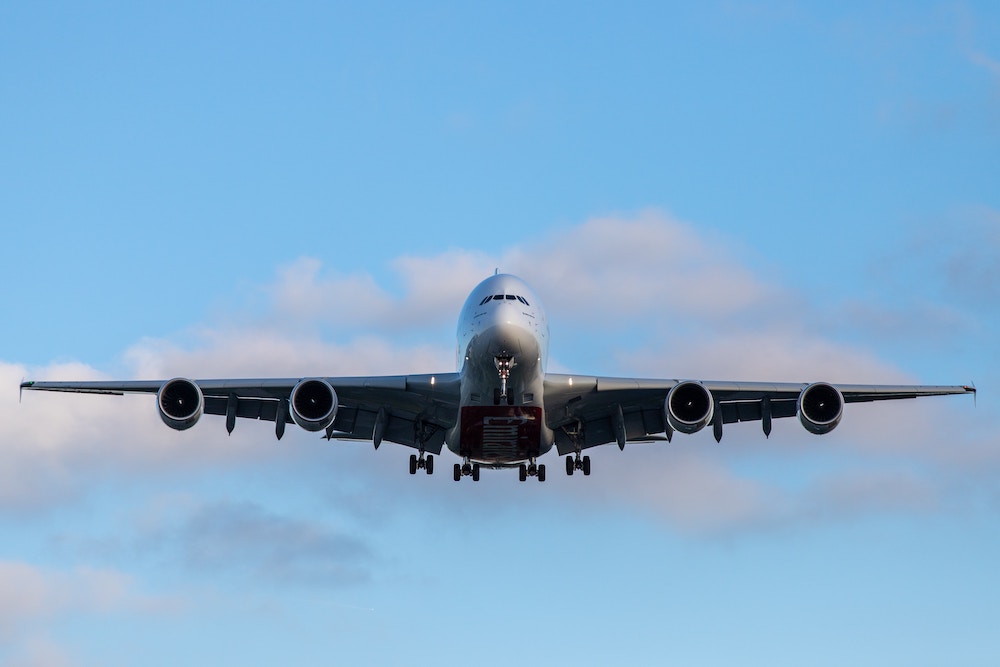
{"points": [[501, 432]]}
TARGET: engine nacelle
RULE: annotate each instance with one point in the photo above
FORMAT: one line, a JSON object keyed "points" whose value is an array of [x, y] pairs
{"points": [[180, 403], [313, 404], [689, 407], [820, 407]]}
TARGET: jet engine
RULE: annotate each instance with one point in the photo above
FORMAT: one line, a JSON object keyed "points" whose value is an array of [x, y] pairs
{"points": [[180, 403], [313, 404], [689, 407], [820, 407]]}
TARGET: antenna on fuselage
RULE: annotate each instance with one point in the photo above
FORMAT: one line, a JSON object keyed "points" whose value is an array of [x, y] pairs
{"points": [[496, 272]]}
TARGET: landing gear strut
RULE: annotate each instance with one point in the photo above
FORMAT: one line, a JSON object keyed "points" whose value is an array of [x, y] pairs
{"points": [[504, 362], [578, 463], [530, 469], [422, 463]]}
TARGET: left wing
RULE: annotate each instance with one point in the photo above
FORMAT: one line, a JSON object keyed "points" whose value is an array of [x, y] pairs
{"points": [[412, 410], [589, 411]]}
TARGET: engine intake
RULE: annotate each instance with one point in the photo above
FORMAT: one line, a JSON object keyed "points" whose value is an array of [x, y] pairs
{"points": [[180, 403], [313, 404], [820, 408], [689, 407]]}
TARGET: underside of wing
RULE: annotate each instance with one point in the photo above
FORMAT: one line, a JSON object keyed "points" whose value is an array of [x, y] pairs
{"points": [[412, 410], [589, 411]]}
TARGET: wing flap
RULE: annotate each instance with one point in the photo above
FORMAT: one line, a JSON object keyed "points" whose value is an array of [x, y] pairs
{"points": [[246, 408], [752, 410]]}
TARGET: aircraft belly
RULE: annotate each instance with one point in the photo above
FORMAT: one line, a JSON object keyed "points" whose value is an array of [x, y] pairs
{"points": [[500, 433]]}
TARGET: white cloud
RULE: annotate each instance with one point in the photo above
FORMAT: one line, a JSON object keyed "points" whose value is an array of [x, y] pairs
{"points": [[647, 273], [431, 287], [30, 594], [56, 445], [652, 264], [39, 651], [691, 491], [761, 355], [34, 599], [253, 352], [302, 292]]}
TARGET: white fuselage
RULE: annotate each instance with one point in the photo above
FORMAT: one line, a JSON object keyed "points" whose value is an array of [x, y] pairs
{"points": [[501, 420]]}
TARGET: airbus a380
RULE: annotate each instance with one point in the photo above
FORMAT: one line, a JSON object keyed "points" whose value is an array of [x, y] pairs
{"points": [[501, 409]]}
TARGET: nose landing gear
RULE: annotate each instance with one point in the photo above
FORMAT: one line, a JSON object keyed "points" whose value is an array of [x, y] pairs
{"points": [[504, 362]]}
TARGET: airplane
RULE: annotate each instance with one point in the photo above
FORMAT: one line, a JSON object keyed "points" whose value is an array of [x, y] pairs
{"points": [[501, 409]]}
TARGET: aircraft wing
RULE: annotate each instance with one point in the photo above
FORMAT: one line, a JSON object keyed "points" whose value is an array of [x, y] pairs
{"points": [[405, 409], [589, 411]]}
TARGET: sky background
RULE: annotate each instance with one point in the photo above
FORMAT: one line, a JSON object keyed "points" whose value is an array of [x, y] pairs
{"points": [[725, 190]]}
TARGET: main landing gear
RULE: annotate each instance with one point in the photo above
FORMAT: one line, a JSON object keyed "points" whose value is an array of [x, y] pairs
{"points": [[578, 464], [467, 469], [421, 463], [526, 470]]}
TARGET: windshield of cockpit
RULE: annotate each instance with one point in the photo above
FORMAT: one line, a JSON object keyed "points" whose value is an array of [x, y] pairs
{"points": [[504, 297]]}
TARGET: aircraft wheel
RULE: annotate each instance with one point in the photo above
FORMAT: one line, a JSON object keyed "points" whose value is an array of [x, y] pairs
{"points": [[475, 472], [458, 472], [429, 465], [413, 464], [586, 465], [569, 466], [541, 472], [522, 472]]}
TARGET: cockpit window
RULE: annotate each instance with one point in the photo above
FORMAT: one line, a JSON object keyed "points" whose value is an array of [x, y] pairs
{"points": [[504, 297]]}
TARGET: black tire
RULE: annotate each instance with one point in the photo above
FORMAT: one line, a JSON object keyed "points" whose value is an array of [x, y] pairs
{"points": [[458, 472], [496, 395], [413, 464], [522, 472], [541, 473], [429, 464], [586, 465], [570, 466], [475, 472]]}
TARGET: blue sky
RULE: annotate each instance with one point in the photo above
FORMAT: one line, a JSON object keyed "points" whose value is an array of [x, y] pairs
{"points": [[731, 190]]}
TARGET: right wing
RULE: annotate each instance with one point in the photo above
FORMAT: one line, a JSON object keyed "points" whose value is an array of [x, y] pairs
{"points": [[589, 411], [411, 410]]}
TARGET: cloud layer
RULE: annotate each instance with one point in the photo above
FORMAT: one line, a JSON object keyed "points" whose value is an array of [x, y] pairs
{"points": [[683, 302], [646, 295]]}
